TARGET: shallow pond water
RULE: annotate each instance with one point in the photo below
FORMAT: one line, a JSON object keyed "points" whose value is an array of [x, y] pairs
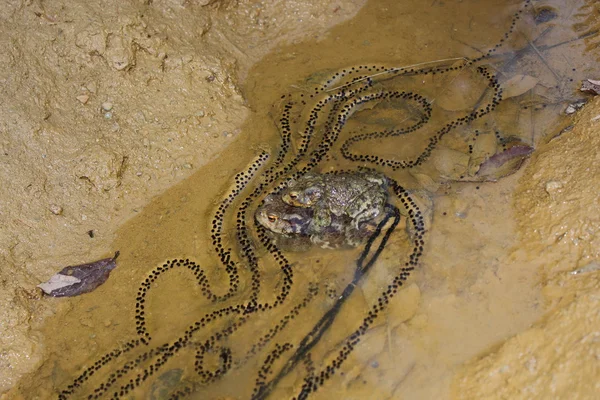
{"points": [[202, 306]]}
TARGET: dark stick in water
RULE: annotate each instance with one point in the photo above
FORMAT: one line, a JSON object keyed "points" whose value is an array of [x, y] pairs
{"points": [[313, 337]]}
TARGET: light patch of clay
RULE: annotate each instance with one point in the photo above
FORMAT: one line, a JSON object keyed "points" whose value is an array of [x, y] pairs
{"points": [[171, 71]]}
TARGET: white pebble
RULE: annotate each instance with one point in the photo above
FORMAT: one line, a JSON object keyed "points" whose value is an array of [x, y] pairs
{"points": [[553, 186], [91, 86], [56, 209]]}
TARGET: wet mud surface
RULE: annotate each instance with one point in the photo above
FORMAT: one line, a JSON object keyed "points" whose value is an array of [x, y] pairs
{"points": [[204, 306]]}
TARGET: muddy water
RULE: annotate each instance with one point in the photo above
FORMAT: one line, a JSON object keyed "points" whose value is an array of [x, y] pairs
{"points": [[235, 318]]}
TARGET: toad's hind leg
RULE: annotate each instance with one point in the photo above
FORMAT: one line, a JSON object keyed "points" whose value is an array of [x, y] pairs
{"points": [[321, 220], [370, 206]]}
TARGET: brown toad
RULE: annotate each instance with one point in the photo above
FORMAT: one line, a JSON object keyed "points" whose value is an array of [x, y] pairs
{"points": [[360, 196], [292, 227]]}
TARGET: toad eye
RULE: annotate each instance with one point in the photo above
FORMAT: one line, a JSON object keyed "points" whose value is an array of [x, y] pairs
{"points": [[293, 195], [272, 217]]}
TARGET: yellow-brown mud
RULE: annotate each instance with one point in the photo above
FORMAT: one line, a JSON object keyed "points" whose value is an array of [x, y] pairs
{"points": [[480, 280], [105, 105]]}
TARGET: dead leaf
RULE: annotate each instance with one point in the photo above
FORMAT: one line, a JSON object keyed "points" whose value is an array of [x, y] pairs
{"points": [[504, 163], [462, 92], [590, 86], [79, 279], [426, 182], [517, 85], [450, 163]]}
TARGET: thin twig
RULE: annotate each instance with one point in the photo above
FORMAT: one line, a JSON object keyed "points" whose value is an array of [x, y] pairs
{"points": [[467, 44], [575, 39], [533, 46], [397, 69]]}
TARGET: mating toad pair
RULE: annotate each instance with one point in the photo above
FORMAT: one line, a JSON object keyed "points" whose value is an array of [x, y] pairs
{"points": [[331, 210]]}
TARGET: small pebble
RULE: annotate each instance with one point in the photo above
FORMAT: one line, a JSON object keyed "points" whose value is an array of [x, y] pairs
{"points": [[56, 209], [461, 214], [200, 114], [107, 106], [553, 186], [83, 99], [574, 107], [108, 115], [91, 87]]}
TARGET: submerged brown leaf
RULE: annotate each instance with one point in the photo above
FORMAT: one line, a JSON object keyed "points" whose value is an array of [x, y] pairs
{"points": [[79, 279], [517, 85], [461, 92], [590, 86], [504, 163]]}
